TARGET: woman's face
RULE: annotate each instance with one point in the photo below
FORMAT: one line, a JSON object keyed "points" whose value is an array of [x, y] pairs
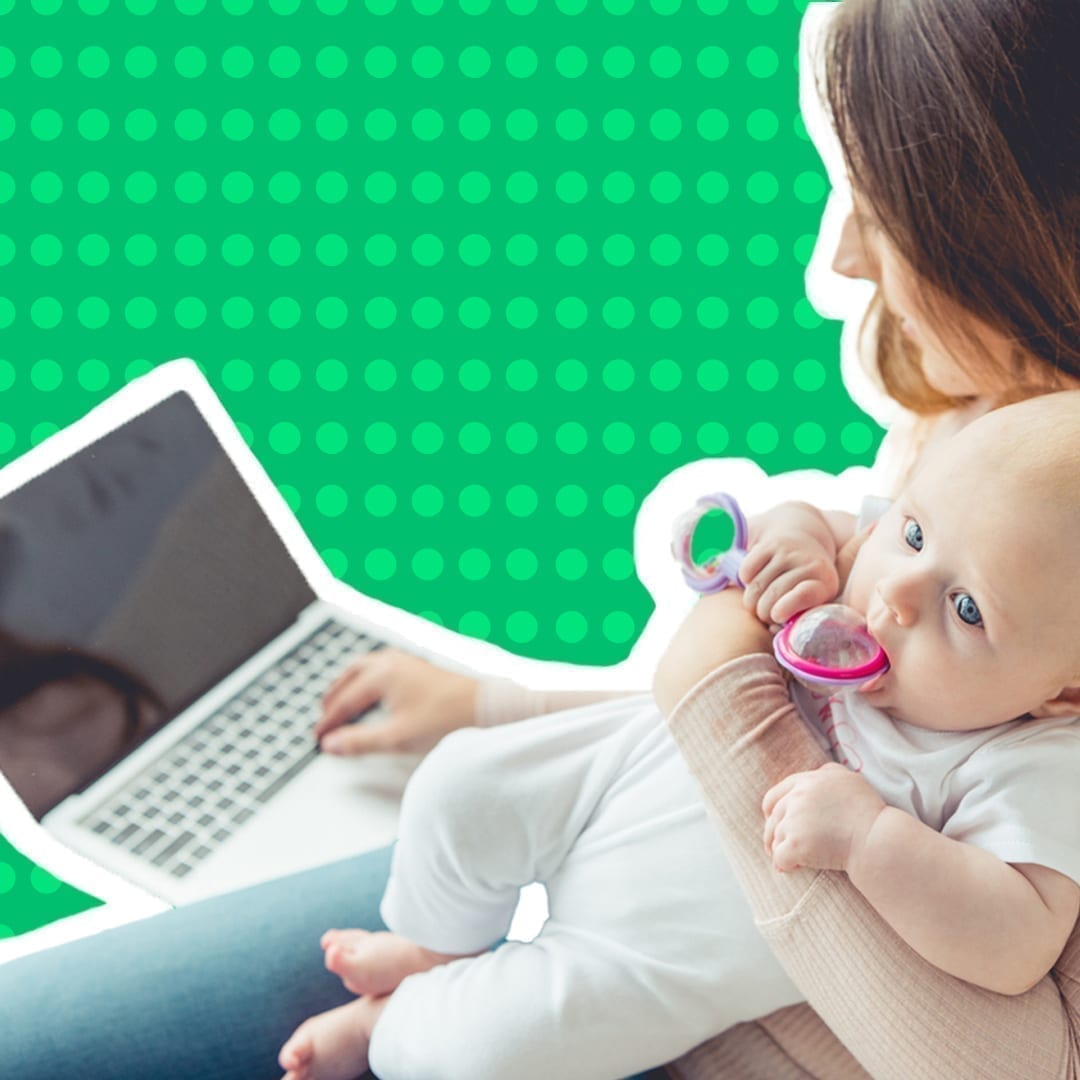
{"points": [[864, 251]]}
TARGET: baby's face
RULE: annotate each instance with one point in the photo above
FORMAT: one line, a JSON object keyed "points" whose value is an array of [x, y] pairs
{"points": [[968, 584]]}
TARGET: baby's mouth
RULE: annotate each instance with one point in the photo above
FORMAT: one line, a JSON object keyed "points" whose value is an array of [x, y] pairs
{"points": [[874, 683]]}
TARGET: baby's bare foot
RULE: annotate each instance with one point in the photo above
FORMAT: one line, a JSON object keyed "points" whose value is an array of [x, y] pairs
{"points": [[330, 1046], [376, 962]]}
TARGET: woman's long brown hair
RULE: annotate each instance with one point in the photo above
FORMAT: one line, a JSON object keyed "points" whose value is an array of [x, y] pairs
{"points": [[960, 126]]}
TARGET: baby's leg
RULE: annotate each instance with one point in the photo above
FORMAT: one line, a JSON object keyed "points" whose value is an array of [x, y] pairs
{"points": [[555, 1007], [375, 962], [650, 948], [489, 811], [334, 1044]]}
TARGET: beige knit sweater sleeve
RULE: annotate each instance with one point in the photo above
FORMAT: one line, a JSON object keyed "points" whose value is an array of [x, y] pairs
{"points": [[900, 1016]]}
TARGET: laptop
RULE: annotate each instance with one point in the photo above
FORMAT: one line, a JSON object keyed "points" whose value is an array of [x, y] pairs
{"points": [[149, 540]]}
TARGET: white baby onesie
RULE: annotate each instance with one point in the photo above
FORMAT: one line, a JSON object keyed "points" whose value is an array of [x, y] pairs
{"points": [[650, 947]]}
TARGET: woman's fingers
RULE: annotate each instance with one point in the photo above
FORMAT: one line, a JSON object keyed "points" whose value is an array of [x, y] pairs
{"points": [[352, 739], [358, 689], [422, 703]]}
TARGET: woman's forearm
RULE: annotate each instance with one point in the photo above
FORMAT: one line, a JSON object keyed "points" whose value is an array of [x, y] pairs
{"points": [[898, 1014], [503, 701], [719, 628]]}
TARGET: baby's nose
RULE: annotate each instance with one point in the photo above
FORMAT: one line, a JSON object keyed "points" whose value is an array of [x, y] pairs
{"points": [[900, 596]]}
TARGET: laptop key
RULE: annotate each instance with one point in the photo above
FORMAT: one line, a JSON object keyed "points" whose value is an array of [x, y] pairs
{"points": [[126, 833], [286, 776], [177, 845], [147, 842]]}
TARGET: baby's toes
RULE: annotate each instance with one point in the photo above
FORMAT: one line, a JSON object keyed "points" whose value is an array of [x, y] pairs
{"points": [[344, 963], [343, 937], [297, 1054]]}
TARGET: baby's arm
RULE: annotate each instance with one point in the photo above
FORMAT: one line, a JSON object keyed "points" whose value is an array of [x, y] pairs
{"points": [[997, 925], [791, 560]]}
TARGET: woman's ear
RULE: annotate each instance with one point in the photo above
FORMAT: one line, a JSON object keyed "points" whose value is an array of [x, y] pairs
{"points": [[1067, 703]]}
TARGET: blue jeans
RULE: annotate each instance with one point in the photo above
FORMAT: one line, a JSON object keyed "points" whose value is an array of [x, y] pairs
{"points": [[204, 992]]}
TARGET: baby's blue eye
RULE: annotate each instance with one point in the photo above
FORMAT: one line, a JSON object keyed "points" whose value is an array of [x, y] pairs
{"points": [[913, 534], [967, 609]]}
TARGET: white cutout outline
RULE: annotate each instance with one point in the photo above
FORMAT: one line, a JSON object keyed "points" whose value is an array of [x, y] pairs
{"points": [[834, 296]]}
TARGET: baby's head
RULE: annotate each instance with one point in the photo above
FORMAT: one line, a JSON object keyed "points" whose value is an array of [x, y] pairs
{"points": [[971, 580]]}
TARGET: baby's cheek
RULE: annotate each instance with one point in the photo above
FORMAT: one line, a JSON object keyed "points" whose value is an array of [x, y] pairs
{"points": [[921, 694], [946, 700], [856, 592]]}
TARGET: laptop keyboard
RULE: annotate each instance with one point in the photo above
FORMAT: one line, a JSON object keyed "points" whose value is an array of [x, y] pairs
{"points": [[186, 804]]}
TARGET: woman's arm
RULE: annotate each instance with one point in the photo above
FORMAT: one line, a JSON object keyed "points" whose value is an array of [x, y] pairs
{"points": [[900, 1016], [718, 629]]}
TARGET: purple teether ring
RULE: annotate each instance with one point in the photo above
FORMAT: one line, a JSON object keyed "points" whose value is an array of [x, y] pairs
{"points": [[721, 570]]}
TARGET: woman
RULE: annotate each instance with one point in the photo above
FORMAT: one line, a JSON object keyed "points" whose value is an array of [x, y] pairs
{"points": [[960, 128]]}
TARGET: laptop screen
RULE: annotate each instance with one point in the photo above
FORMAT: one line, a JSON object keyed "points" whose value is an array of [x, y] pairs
{"points": [[134, 576]]}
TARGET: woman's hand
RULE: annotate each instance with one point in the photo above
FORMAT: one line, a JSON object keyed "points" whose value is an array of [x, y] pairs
{"points": [[423, 702]]}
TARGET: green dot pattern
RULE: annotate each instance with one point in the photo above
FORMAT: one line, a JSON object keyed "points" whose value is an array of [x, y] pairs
{"points": [[471, 276], [31, 897]]}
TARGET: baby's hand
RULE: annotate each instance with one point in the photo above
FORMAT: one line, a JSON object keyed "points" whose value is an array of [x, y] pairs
{"points": [[791, 563], [819, 819]]}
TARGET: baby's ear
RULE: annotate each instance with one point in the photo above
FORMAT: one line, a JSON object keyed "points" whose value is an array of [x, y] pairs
{"points": [[1067, 703]]}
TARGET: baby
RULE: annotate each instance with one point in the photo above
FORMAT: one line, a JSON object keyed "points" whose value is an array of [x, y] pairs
{"points": [[953, 805]]}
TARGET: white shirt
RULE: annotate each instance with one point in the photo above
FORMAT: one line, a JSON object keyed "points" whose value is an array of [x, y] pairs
{"points": [[1012, 790]]}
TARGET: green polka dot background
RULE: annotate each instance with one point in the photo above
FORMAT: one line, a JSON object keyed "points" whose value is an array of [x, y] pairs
{"points": [[471, 276], [31, 897]]}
